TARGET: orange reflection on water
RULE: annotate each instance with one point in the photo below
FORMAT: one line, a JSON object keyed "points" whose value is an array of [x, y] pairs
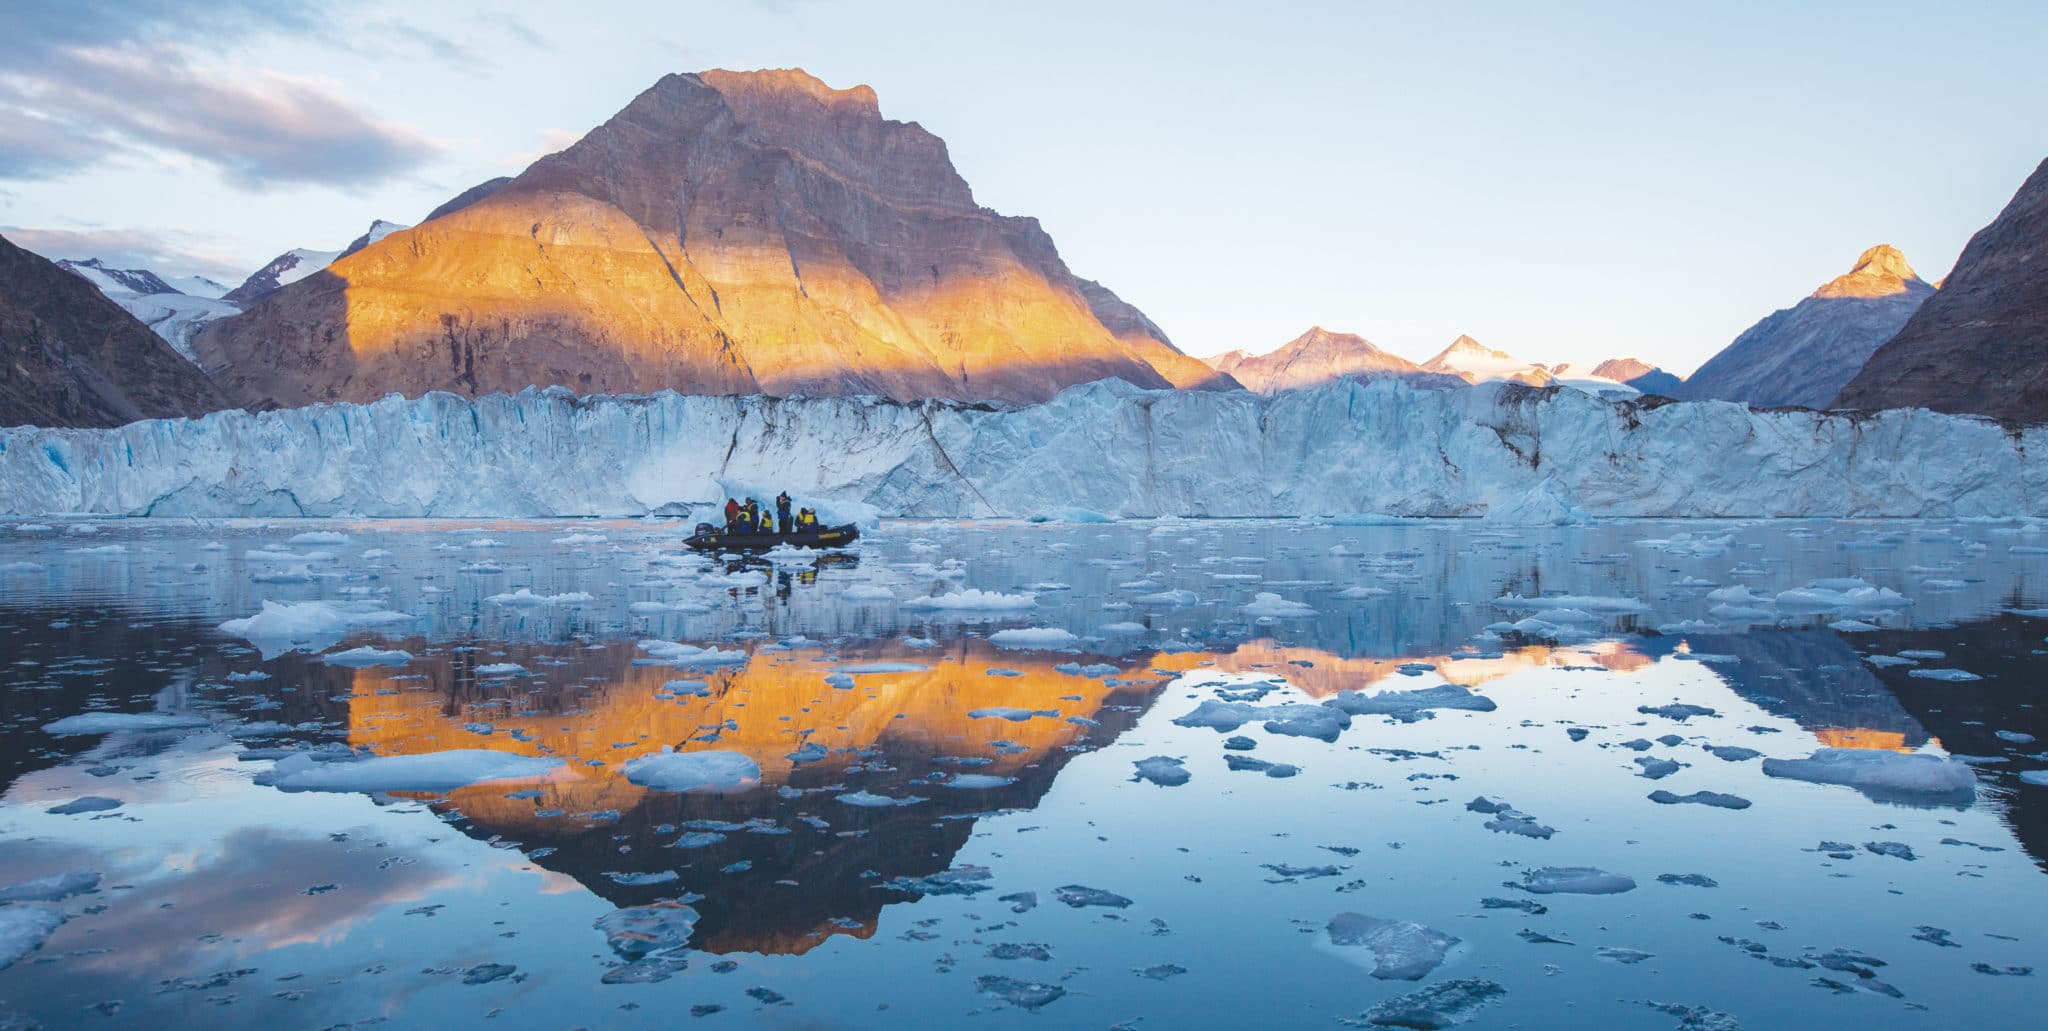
{"points": [[779, 701], [1326, 673]]}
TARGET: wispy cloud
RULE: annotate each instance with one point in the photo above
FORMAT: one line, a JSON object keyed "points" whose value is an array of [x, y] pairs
{"points": [[164, 253], [87, 81]]}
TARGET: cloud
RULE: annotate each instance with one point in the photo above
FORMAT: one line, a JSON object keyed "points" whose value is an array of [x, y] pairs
{"points": [[85, 83], [551, 141], [170, 254]]}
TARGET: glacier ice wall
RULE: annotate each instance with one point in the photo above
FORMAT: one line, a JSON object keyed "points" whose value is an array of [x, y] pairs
{"points": [[1497, 450]]}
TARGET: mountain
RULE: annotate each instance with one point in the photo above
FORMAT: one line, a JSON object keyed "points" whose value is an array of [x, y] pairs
{"points": [[1474, 362], [379, 229], [165, 305], [1639, 374], [1804, 354], [283, 270], [1318, 357], [117, 280], [1981, 344], [69, 356], [725, 233]]}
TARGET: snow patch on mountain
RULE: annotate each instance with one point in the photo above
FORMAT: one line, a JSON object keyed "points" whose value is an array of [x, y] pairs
{"points": [[1498, 450], [163, 304]]}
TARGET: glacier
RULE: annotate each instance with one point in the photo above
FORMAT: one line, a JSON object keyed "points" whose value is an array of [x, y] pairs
{"points": [[1499, 450]]}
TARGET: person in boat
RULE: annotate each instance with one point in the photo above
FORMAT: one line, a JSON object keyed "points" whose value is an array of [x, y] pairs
{"points": [[754, 517], [732, 515], [782, 522], [806, 521]]}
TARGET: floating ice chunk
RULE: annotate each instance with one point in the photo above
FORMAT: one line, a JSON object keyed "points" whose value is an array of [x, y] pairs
{"points": [[525, 598], [104, 549], [1852, 626], [972, 600], [2036, 777], [1030, 995], [2014, 736], [1679, 711], [1409, 706], [1905, 779], [687, 655], [1071, 515], [870, 800], [1079, 897], [960, 880], [1655, 768], [1293, 719], [123, 722], [641, 880], [1954, 676], [23, 929], [1034, 638], [582, 538], [1355, 593], [883, 667], [1176, 598], [1603, 604], [867, 593], [319, 537], [1731, 753], [54, 888], [427, 771], [978, 781], [1272, 606], [85, 804], [308, 626], [1162, 770], [1696, 880], [1402, 949], [1003, 712], [1125, 628], [711, 771], [638, 931], [1712, 798], [1573, 880], [368, 656], [1844, 596], [502, 669], [811, 752], [1442, 1005]]}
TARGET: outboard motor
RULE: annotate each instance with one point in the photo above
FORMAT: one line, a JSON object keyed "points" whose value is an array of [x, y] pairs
{"points": [[704, 528]]}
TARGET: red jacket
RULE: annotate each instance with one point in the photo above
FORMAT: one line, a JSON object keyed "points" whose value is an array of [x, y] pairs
{"points": [[732, 510]]}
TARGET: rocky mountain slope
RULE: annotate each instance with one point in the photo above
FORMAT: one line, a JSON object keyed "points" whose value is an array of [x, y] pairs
{"points": [[71, 357], [1981, 344], [1803, 355], [1475, 362], [725, 233], [1639, 374], [1318, 357], [283, 270]]}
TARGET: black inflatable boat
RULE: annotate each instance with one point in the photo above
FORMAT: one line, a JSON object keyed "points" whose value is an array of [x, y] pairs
{"points": [[711, 538]]}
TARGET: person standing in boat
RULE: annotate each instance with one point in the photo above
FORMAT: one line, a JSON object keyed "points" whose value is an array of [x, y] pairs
{"points": [[782, 522], [753, 518], [732, 515]]}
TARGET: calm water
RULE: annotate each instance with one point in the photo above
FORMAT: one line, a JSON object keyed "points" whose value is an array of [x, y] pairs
{"points": [[582, 898]]}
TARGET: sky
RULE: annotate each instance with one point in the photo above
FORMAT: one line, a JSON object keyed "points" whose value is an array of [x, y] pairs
{"points": [[1567, 182]]}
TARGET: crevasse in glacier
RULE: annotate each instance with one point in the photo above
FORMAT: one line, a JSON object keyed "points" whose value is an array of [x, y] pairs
{"points": [[1501, 451]]}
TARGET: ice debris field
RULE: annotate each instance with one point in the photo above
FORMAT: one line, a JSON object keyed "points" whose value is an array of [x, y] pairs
{"points": [[1085, 772]]}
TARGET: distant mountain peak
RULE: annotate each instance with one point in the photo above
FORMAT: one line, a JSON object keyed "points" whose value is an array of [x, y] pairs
{"points": [[790, 80], [1880, 271], [1478, 363]]}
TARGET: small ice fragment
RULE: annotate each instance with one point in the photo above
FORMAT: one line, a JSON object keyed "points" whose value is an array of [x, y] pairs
{"points": [[367, 656], [1030, 995], [1655, 768], [23, 929], [1402, 949], [122, 722], [1954, 676], [1573, 880], [870, 800], [1696, 880], [1078, 896], [999, 712], [1272, 606], [708, 771], [1677, 710], [1712, 798], [54, 888], [1906, 779], [1161, 770], [85, 804], [427, 771], [1034, 638], [1441, 1005]]}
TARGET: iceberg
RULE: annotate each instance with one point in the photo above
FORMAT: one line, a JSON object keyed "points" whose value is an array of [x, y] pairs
{"points": [[1500, 450], [713, 772], [1906, 779], [426, 771]]}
